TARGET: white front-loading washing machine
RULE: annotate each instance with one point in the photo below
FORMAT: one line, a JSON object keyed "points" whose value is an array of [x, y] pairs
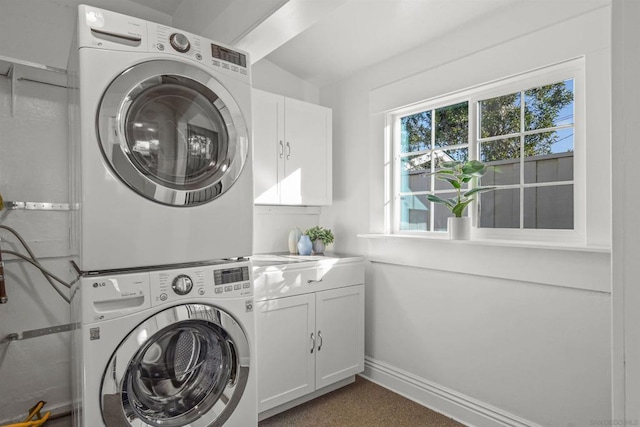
{"points": [[160, 134], [165, 348]]}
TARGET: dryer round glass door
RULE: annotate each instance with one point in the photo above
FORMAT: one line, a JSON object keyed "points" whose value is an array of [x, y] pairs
{"points": [[172, 133], [187, 365]]}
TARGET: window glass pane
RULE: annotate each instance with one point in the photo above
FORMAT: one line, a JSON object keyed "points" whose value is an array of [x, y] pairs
{"points": [[500, 208], [549, 106], [414, 212], [452, 125], [441, 213], [549, 157], [460, 155], [500, 116], [502, 158], [415, 131], [549, 207], [414, 173]]}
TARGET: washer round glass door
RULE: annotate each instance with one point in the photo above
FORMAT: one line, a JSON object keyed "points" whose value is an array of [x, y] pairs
{"points": [[172, 133], [187, 365]]}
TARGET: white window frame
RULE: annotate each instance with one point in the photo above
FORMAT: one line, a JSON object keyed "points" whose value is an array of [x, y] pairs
{"points": [[572, 69]]}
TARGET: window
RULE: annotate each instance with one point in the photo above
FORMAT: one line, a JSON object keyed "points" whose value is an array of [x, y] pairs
{"points": [[523, 128]]}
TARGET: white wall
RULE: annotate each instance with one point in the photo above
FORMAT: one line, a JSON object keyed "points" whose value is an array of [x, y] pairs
{"points": [[34, 167], [269, 77], [527, 347]]}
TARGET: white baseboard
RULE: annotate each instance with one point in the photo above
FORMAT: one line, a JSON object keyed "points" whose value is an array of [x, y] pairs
{"points": [[450, 403]]}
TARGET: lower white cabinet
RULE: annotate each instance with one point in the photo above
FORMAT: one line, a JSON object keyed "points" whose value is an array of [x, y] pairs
{"points": [[307, 342]]}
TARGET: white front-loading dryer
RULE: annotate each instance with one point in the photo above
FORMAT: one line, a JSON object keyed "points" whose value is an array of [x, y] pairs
{"points": [[160, 135], [165, 348]]}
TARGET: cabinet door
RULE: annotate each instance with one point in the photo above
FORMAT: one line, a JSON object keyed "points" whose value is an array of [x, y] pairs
{"points": [[285, 349], [340, 334], [307, 168], [268, 145]]}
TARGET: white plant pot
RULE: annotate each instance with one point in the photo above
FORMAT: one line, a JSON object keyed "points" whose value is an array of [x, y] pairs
{"points": [[459, 228], [318, 247]]}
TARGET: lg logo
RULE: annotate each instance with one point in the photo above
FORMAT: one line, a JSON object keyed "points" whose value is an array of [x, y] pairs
{"points": [[99, 284]]}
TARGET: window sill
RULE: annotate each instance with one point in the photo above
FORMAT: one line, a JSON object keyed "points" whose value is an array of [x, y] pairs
{"points": [[442, 237], [564, 265]]}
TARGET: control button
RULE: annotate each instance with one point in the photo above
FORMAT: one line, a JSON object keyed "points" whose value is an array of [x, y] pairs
{"points": [[246, 285], [225, 65], [163, 297], [238, 286], [243, 71], [216, 63], [182, 284], [160, 46], [198, 57], [234, 68], [201, 291], [219, 290], [179, 42], [228, 288]]}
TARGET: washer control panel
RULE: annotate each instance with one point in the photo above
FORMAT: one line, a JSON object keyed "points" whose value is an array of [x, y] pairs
{"points": [[210, 281]]}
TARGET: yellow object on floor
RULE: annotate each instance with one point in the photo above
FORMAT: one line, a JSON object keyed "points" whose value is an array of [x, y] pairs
{"points": [[34, 419]]}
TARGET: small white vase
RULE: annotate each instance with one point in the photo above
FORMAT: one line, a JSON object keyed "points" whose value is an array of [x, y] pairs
{"points": [[294, 238], [459, 228]]}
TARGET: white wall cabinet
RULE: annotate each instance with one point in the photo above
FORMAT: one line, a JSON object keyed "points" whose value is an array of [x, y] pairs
{"points": [[311, 339], [292, 151]]}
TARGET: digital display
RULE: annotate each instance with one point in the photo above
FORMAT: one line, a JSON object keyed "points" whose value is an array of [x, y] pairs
{"points": [[229, 55], [231, 275]]}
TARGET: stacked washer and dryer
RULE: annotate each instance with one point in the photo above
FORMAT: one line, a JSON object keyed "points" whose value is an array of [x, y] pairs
{"points": [[162, 181]]}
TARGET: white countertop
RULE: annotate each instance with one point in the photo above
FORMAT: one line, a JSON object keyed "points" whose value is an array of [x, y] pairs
{"points": [[282, 274], [285, 260]]}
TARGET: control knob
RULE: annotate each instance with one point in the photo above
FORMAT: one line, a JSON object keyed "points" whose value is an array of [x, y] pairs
{"points": [[179, 42], [182, 284]]}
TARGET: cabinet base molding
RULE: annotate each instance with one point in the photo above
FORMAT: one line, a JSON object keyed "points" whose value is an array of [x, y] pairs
{"points": [[286, 406], [450, 403]]}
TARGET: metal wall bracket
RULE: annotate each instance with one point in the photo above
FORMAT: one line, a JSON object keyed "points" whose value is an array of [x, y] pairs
{"points": [[34, 333], [37, 206]]}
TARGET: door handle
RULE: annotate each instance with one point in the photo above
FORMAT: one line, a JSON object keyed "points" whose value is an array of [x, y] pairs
{"points": [[313, 342], [288, 150], [320, 344], [281, 149]]}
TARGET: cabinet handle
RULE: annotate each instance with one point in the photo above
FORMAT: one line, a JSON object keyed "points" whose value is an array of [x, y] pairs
{"points": [[281, 149], [320, 338], [313, 342], [288, 150], [314, 281]]}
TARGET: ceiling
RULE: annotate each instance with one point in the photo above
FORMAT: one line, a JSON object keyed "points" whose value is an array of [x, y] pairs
{"points": [[324, 41]]}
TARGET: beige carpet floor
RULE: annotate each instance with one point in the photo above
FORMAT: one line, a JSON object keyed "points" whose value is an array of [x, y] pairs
{"points": [[360, 404]]}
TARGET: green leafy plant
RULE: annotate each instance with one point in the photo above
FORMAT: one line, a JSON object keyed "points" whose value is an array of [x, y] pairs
{"points": [[321, 233], [457, 174]]}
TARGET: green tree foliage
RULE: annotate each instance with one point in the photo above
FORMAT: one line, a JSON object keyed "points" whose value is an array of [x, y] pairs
{"points": [[499, 116]]}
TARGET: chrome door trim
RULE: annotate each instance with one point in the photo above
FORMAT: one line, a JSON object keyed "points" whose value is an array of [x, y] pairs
{"points": [[139, 339], [111, 131]]}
